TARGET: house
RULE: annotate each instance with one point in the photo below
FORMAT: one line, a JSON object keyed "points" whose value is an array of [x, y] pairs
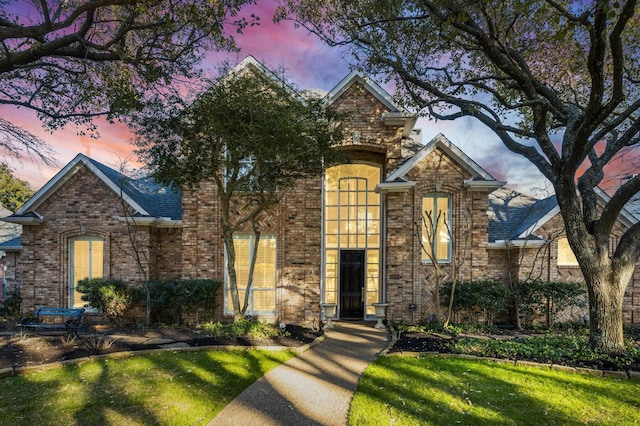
{"points": [[356, 236], [9, 241]]}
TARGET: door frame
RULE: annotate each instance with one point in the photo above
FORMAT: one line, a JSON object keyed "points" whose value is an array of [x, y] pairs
{"points": [[360, 314]]}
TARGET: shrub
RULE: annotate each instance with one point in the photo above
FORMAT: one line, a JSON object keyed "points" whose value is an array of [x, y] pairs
{"points": [[548, 298], [243, 327], [110, 296], [488, 296], [173, 301], [10, 306]]}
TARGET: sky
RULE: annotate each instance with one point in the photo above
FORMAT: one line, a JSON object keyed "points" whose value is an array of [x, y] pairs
{"points": [[310, 64]]}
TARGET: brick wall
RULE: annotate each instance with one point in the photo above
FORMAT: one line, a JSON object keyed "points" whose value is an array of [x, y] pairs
{"points": [[84, 205]]}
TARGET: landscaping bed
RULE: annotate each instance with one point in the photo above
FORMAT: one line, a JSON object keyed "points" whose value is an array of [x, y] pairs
{"points": [[21, 349], [548, 348]]}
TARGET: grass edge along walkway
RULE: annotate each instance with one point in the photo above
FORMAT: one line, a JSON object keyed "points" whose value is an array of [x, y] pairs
{"points": [[169, 387], [434, 390]]}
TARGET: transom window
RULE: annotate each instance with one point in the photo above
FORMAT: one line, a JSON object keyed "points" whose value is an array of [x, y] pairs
{"points": [[262, 295], [436, 226]]}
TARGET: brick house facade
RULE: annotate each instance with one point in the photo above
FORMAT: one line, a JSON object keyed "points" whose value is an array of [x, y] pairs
{"points": [[353, 237]]}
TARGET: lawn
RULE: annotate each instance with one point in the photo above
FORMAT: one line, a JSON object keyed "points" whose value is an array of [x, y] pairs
{"points": [[453, 391], [186, 388]]}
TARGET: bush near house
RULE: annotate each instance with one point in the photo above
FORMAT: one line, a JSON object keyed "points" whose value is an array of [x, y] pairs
{"points": [[180, 301], [536, 299], [473, 297], [110, 296], [546, 299], [10, 306]]}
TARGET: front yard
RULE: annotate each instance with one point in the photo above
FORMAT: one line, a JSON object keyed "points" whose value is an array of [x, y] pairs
{"points": [[452, 391]]}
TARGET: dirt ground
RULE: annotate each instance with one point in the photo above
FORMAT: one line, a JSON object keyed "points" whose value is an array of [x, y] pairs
{"points": [[19, 348]]}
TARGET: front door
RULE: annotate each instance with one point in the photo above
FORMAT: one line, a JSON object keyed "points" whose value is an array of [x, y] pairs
{"points": [[351, 284]]}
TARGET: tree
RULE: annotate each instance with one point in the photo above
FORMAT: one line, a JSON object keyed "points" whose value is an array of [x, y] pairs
{"points": [[557, 81], [255, 138], [70, 61], [14, 192]]}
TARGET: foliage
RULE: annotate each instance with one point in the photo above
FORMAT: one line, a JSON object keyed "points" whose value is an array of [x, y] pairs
{"points": [[13, 191], [253, 137], [488, 296], [175, 301], [242, 328], [70, 61], [168, 388], [110, 296], [449, 391], [538, 297], [555, 349], [557, 82], [10, 306]]}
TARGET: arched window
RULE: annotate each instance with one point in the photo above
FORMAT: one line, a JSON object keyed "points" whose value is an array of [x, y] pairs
{"points": [[86, 260]]}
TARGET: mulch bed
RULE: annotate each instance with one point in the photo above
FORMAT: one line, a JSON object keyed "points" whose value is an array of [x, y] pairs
{"points": [[19, 349], [425, 342]]}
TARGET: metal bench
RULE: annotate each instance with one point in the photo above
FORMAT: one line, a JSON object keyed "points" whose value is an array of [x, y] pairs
{"points": [[71, 319]]}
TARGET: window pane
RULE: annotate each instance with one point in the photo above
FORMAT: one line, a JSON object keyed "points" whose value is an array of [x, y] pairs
{"points": [[435, 230], [565, 254], [262, 294]]}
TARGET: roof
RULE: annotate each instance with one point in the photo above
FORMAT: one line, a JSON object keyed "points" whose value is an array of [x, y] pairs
{"points": [[512, 213], [9, 232], [14, 244], [147, 198], [515, 216]]}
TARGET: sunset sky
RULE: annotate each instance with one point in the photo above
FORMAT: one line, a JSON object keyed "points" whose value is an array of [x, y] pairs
{"points": [[310, 64]]}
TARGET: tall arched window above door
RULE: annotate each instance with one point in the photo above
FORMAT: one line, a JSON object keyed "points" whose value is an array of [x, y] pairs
{"points": [[352, 231], [86, 260]]}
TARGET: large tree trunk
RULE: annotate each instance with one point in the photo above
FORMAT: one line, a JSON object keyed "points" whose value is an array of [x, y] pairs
{"points": [[606, 293]]}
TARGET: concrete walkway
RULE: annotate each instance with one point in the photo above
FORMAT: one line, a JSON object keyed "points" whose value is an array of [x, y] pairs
{"points": [[315, 388]]}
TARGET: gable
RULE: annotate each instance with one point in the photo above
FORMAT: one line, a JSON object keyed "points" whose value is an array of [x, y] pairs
{"points": [[145, 198], [480, 180]]}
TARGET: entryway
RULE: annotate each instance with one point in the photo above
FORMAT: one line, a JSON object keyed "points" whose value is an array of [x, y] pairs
{"points": [[352, 269]]}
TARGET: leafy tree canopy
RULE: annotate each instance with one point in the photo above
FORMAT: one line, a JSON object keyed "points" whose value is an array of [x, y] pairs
{"points": [[73, 60], [557, 81], [14, 192], [255, 138]]}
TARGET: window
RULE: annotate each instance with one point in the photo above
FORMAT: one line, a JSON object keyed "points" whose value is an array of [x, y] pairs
{"points": [[352, 221], [436, 240], [565, 254], [262, 296], [86, 260]]}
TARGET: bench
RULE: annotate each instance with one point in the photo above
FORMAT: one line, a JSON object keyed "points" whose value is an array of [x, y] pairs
{"points": [[71, 319]]}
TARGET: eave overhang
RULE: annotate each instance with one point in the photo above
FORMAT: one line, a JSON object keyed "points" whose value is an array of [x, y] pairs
{"points": [[509, 244], [388, 187], [156, 222], [483, 185], [30, 218], [405, 119]]}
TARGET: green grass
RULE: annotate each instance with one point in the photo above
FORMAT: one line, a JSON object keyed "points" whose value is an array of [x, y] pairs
{"points": [[186, 388], [454, 391]]}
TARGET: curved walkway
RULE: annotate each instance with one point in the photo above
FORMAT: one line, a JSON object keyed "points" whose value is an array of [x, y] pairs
{"points": [[315, 388]]}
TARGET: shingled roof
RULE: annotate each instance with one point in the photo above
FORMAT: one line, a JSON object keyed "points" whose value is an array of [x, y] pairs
{"points": [[157, 204]]}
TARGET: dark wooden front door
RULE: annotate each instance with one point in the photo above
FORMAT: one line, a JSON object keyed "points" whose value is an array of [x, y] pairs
{"points": [[351, 284]]}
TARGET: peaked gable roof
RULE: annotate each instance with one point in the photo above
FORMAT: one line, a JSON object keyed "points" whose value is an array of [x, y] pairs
{"points": [[625, 217], [145, 197], [515, 217], [480, 178]]}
